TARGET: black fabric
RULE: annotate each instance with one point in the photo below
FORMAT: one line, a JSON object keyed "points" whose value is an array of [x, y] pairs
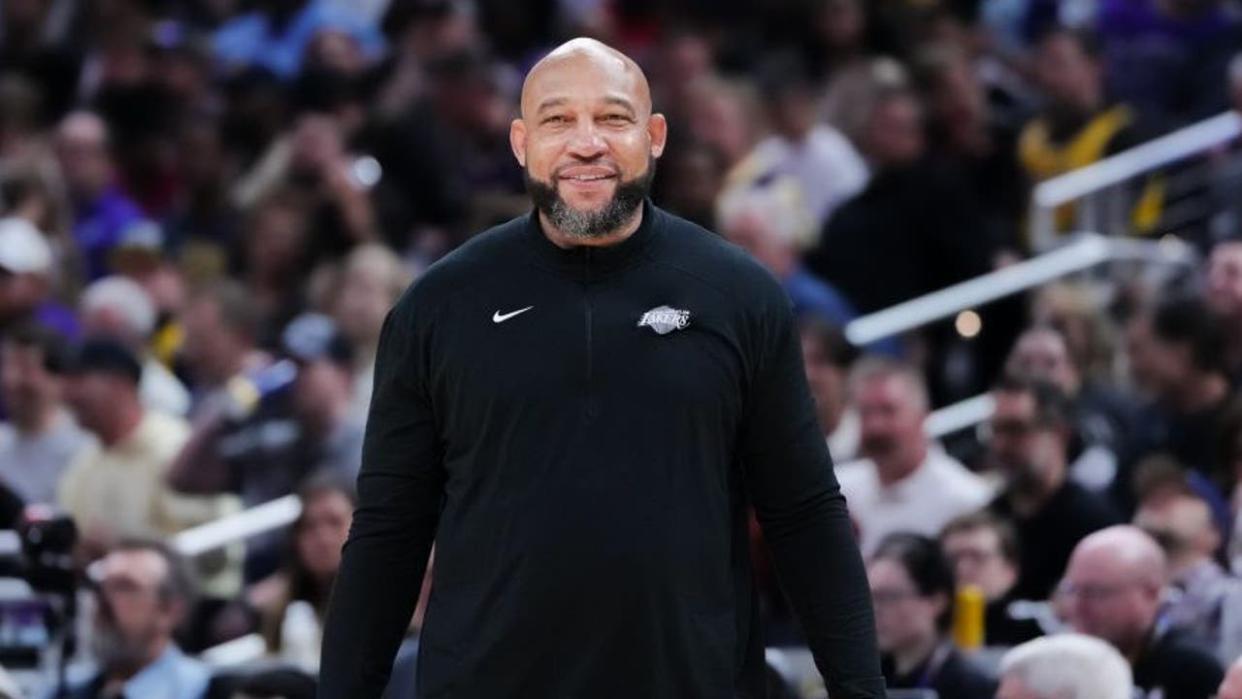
{"points": [[1047, 538], [584, 479], [1179, 668], [1001, 628], [953, 678]]}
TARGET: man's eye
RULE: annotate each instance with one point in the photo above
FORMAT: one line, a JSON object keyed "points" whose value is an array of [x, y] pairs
{"points": [[555, 119], [616, 119]]}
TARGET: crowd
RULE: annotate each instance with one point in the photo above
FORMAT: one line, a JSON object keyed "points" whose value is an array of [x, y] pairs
{"points": [[208, 206]]}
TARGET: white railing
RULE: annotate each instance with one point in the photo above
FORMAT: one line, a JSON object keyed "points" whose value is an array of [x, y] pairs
{"points": [[273, 514], [1105, 174], [1084, 252]]}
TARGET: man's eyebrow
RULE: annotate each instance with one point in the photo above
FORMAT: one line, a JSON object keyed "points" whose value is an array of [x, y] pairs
{"points": [[621, 102], [549, 103]]}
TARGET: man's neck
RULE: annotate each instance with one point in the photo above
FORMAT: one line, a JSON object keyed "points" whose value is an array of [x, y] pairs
{"points": [[906, 660], [118, 675], [902, 465], [566, 241]]}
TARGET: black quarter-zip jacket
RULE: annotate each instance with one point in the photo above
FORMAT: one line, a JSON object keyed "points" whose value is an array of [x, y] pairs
{"points": [[579, 432]]}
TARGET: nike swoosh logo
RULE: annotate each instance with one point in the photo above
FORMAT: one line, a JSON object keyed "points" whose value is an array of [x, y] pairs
{"points": [[499, 317]]}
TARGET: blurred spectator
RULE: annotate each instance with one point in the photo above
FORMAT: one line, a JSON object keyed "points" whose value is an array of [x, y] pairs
{"points": [[1074, 310], [204, 224], [888, 490], [1066, 666], [144, 593], [26, 280], [827, 356], [1113, 590], [1176, 352], [275, 257], [39, 42], [767, 221], [1101, 415], [1076, 126], [1030, 432], [101, 210], [1223, 293], [1231, 686], [372, 278], [115, 488], [1203, 596], [120, 308], [912, 588], [823, 163], [983, 551], [275, 34], [41, 438], [221, 328]]}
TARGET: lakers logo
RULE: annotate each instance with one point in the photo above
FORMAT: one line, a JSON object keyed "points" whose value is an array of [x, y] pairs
{"points": [[665, 320]]}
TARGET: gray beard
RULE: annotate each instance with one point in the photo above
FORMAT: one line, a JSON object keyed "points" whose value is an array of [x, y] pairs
{"points": [[599, 223]]}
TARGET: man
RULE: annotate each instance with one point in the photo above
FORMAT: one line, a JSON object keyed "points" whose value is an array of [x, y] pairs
{"points": [[1029, 447], [827, 357], [1112, 590], [1223, 293], [1065, 666], [26, 269], [144, 594], [221, 327], [557, 406], [984, 552], [41, 439], [1231, 687], [1205, 599], [115, 489], [889, 489]]}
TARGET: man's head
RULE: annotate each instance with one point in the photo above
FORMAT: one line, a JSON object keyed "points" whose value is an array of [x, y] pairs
{"points": [[372, 279], [826, 356], [325, 383], [82, 147], [1182, 523], [587, 139], [1185, 343], [983, 551], [1224, 280], [32, 366], [1030, 437], [1065, 666], [221, 324], [1069, 72], [893, 135], [1113, 586], [892, 404], [25, 266], [767, 222], [912, 589], [102, 388], [144, 593], [118, 307], [1041, 353], [1231, 687]]}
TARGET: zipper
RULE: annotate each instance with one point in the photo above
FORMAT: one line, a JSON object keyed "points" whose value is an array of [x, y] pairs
{"points": [[586, 300]]}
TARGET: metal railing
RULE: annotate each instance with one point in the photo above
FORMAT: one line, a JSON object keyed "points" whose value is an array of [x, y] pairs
{"points": [[1084, 252], [1099, 178]]}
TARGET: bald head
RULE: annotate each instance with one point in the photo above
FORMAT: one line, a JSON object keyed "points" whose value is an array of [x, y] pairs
{"points": [[82, 149], [583, 55], [1125, 550], [1114, 586], [587, 141]]}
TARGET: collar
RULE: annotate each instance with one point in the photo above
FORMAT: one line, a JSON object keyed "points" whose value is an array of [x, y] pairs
{"points": [[172, 675], [585, 263]]}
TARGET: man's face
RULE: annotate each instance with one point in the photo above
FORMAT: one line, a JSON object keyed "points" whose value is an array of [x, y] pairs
{"points": [[27, 385], [1224, 280], [588, 142], [1181, 524], [1068, 73], [209, 344], [1013, 688], [892, 419], [977, 560], [82, 151], [1104, 598], [894, 135], [321, 386], [901, 613], [322, 531], [93, 396], [1021, 447], [134, 616], [826, 380], [1044, 355]]}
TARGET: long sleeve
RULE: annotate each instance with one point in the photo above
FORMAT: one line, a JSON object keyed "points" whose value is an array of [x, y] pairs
{"points": [[803, 514], [400, 489]]}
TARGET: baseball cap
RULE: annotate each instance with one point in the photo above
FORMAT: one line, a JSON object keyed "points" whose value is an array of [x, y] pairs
{"points": [[22, 247], [314, 336], [104, 355]]}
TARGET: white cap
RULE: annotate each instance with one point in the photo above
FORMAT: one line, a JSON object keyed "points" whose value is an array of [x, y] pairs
{"points": [[22, 247]]}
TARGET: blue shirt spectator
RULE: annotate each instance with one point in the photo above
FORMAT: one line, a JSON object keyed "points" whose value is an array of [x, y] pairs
{"points": [[257, 39]]}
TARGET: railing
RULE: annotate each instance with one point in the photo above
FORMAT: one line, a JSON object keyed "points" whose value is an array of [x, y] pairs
{"points": [[1085, 252], [1098, 179]]}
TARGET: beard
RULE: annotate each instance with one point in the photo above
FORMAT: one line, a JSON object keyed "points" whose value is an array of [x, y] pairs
{"points": [[596, 223], [118, 652]]}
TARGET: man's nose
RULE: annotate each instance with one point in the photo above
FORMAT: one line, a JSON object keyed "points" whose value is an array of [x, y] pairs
{"points": [[586, 141]]}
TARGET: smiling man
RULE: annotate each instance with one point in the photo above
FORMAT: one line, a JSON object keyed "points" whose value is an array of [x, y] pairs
{"points": [[576, 408]]}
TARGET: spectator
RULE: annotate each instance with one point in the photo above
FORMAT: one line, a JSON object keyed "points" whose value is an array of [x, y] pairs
{"points": [[1176, 352], [1203, 594], [768, 221], [115, 489], [120, 308], [1029, 447], [41, 439], [1073, 310], [274, 257], [101, 210], [1066, 666], [913, 590], [26, 279], [983, 551], [888, 490], [144, 593], [221, 328], [1223, 293], [1101, 416], [827, 356], [1112, 591], [1231, 686], [276, 33]]}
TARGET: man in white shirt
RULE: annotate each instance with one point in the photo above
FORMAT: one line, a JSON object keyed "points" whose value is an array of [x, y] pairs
{"points": [[906, 482]]}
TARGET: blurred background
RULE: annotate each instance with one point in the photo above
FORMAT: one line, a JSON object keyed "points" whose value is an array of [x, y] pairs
{"points": [[1011, 231]]}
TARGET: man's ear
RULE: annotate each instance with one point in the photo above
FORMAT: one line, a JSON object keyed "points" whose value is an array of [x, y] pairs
{"points": [[657, 129], [517, 140]]}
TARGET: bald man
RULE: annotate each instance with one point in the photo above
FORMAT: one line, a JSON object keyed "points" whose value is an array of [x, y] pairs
{"points": [[1113, 590], [576, 407]]}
